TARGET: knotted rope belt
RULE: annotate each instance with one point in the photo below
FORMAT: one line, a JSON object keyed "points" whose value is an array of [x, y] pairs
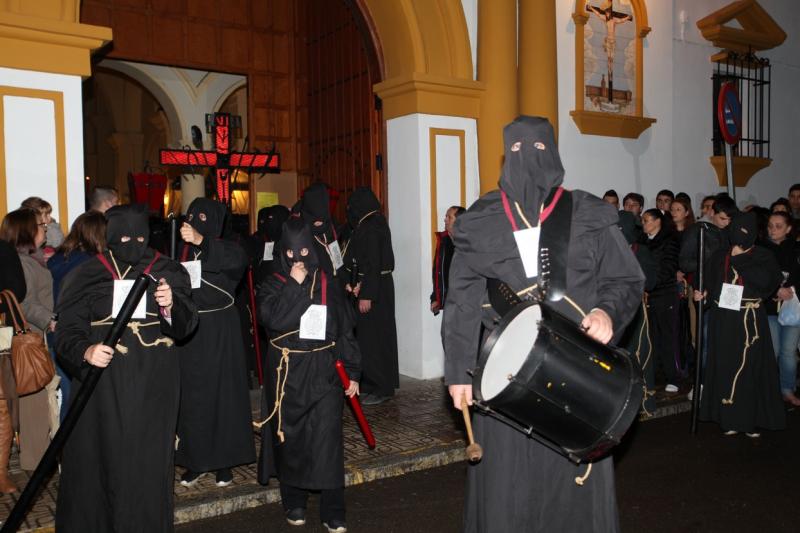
{"points": [[749, 306], [136, 328], [282, 375]]}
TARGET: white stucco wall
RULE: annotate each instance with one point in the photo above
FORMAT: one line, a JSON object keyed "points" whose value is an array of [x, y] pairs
{"points": [[409, 167], [674, 152], [30, 146]]}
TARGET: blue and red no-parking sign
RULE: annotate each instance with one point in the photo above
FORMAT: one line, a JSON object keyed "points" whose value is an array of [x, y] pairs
{"points": [[729, 113]]}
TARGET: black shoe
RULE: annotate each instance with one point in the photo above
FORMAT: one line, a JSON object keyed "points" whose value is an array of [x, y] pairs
{"points": [[224, 477], [296, 517], [335, 526], [373, 399], [189, 478]]}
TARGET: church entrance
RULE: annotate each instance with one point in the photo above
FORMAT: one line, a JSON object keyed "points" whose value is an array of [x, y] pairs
{"points": [[308, 68]]}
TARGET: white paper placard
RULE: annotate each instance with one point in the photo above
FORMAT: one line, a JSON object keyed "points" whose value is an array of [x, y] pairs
{"points": [[336, 255], [195, 270], [731, 297], [313, 323], [121, 289], [528, 246], [268, 249]]}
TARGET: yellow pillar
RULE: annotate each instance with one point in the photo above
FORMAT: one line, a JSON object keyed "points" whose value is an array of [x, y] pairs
{"points": [[497, 69], [538, 72]]}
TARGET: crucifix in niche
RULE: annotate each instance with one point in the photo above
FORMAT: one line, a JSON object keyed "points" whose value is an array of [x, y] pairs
{"points": [[605, 96]]}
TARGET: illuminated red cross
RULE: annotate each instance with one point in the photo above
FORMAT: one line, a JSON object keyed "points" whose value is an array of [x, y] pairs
{"points": [[222, 159]]}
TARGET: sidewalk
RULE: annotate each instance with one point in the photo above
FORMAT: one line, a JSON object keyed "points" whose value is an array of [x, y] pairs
{"points": [[416, 430]]}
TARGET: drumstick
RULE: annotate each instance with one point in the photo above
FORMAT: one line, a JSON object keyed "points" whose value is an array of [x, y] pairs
{"points": [[474, 450]]}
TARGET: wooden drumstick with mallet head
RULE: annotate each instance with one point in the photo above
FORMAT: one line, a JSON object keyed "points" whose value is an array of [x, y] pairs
{"points": [[474, 450]]}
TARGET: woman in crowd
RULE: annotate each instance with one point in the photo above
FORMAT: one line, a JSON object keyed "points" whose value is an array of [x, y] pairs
{"points": [[25, 230], [442, 259], [741, 390], [662, 301], [86, 239], [784, 338], [306, 317], [683, 218], [12, 278], [54, 234]]}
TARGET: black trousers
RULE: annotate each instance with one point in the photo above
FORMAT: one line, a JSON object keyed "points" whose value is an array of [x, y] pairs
{"points": [[331, 505], [663, 315]]}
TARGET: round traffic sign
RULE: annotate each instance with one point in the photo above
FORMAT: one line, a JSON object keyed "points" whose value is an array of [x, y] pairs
{"points": [[729, 113]]}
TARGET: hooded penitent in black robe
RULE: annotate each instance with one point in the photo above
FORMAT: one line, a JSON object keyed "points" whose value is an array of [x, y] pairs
{"points": [[214, 424], [117, 467], [269, 224], [741, 386], [315, 211], [520, 485], [370, 246], [311, 455]]}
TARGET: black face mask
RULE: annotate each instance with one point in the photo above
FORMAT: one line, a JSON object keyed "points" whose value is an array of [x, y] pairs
{"points": [[295, 238], [743, 230], [316, 208], [130, 222], [207, 217]]}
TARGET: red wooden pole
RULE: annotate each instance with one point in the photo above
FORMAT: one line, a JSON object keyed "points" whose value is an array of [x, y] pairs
{"points": [[356, 405]]}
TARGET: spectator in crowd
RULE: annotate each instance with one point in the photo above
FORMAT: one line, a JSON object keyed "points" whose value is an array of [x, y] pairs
{"points": [[682, 219], [103, 198], [12, 279], [664, 200], [794, 200], [25, 230], [54, 234], [784, 338], [781, 204], [662, 300], [633, 203], [707, 208], [442, 259], [716, 236], [612, 198], [86, 238], [741, 391]]}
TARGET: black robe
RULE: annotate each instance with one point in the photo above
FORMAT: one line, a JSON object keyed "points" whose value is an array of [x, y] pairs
{"points": [[520, 485], [117, 469], [214, 426], [371, 247], [312, 455], [757, 402]]}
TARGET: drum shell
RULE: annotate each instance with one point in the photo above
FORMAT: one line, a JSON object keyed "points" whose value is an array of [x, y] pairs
{"points": [[574, 392]]}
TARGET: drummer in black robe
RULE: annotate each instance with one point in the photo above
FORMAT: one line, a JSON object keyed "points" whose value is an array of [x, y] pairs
{"points": [[117, 466], [741, 386], [315, 211], [309, 329], [214, 431], [521, 485], [370, 250]]}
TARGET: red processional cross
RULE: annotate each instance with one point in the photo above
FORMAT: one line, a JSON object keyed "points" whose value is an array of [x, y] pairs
{"points": [[222, 159]]}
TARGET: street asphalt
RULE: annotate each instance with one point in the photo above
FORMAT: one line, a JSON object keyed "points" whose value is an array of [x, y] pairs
{"points": [[667, 481]]}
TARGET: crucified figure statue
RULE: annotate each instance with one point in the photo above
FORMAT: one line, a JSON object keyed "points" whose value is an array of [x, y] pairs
{"points": [[611, 19]]}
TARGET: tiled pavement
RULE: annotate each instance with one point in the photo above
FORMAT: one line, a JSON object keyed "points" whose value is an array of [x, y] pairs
{"points": [[416, 430]]}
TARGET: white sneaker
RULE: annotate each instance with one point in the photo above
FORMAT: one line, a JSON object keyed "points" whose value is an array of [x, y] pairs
{"points": [[671, 388], [690, 395], [731, 432]]}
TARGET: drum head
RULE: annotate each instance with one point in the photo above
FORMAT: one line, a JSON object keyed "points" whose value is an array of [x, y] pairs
{"points": [[510, 351]]}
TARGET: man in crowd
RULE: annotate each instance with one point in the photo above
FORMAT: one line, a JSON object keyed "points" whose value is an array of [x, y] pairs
{"points": [[794, 200], [612, 198], [103, 198], [707, 208], [664, 200], [633, 203]]}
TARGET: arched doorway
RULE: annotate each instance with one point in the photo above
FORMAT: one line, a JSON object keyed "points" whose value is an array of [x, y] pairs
{"points": [[310, 66]]}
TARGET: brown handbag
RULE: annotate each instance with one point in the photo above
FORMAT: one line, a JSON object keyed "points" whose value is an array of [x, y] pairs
{"points": [[33, 367]]}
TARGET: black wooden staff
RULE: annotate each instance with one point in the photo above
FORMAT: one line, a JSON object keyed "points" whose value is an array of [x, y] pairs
{"points": [[81, 397], [173, 237], [700, 337]]}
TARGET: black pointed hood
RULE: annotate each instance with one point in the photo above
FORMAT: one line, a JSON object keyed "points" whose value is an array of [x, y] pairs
{"points": [[316, 208], [743, 230], [532, 166], [270, 222], [130, 221], [207, 217], [296, 235], [361, 203]]}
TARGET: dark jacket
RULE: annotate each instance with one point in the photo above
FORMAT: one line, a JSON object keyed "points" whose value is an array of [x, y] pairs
{"points": [[788, 255], [664, 248], [11, 276], [715, 239]]}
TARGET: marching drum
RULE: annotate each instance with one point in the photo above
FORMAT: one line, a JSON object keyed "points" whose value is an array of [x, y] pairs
{"points": [[540, 373]]}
